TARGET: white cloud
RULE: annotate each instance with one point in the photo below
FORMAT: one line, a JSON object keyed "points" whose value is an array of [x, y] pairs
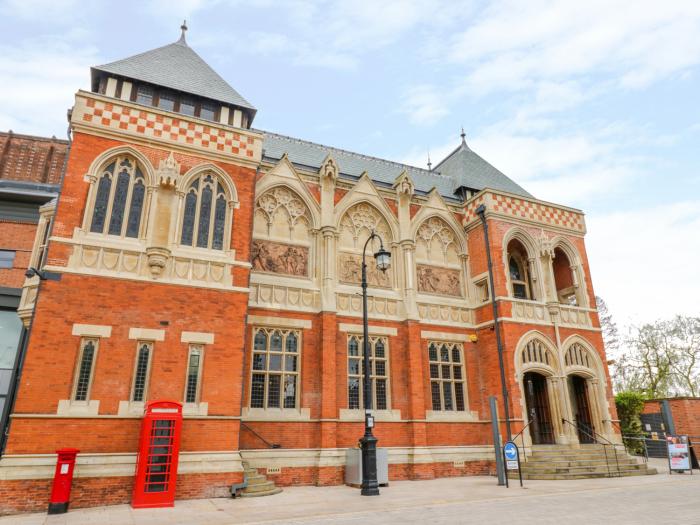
{"points": [[643, 262], [514, 45], [423, 104], [43, 76]]}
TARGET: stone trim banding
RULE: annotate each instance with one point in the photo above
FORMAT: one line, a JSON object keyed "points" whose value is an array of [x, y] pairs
{"points": [[92, 330], [282, 322], [202, 338], [444, 336], [373, 330], [147, 334]]}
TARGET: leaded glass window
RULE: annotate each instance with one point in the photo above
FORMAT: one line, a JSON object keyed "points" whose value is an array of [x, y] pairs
{"points": [[379, 372], [85, 369], [447, 381], [204, 213], [194, 374], [142, 371], [275, 368], [120, 197]]}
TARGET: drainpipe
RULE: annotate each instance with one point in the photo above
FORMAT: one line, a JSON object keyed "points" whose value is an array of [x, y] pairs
{"points": [[481, 212]]}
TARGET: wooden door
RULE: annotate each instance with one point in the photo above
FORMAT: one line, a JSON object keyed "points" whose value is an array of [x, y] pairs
{"points": [[537, 399], [582, 409]]}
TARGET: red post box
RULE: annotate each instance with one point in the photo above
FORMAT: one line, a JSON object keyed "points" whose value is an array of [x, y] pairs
{"points": [[62, 480], [159, 448]]}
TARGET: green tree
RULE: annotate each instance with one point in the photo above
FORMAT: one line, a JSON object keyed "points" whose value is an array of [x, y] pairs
{"points": [[629, 407]]}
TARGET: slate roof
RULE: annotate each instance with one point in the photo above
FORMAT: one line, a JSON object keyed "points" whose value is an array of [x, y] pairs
{"points": [[469, 170], [462, 167], [176, 66]]}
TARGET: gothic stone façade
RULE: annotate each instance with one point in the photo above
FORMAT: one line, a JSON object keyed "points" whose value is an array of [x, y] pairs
{"points": [[197, 267]]}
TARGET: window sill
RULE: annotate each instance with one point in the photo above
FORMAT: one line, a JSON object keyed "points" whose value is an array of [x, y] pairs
{"points": [[131, 408], [195, 409], [68, 407], [450, 416], [276, 414], [351, 414]]}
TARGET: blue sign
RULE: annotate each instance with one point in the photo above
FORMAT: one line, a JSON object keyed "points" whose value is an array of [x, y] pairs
{"points": [[510, 450]]}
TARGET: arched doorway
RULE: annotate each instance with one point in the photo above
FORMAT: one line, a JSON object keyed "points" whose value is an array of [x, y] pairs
{"points": [[537, 401], [580, 405]]}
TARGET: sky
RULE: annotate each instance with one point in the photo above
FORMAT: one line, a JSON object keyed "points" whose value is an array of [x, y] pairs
{"points": [[594, 105]]}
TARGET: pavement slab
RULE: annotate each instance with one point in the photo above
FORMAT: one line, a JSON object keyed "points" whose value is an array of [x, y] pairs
{"points": [[658, 499]]}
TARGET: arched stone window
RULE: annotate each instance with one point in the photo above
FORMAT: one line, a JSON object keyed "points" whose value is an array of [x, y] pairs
{"points": [[518, 271], [565, 278], [438, 265], [119, 198], [205, 213]]}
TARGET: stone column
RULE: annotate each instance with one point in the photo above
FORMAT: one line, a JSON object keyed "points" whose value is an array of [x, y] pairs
{"points": [[408, 251]]}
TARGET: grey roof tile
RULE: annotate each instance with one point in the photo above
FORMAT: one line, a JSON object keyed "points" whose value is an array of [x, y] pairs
{"points": [[177, 66], [467, 169], [460, 168]]}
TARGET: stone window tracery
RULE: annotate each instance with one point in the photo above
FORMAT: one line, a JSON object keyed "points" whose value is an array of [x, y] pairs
{"points": [[275, 368], [379, 372], [119, 199], [577, 355], [447, 378], [536, 352], [205, 213]]}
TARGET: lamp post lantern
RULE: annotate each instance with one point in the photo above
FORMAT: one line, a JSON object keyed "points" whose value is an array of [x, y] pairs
{"points": [[370, 487]]}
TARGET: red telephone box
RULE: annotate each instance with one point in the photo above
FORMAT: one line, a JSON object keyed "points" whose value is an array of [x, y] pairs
{"points": [[159, 448]]}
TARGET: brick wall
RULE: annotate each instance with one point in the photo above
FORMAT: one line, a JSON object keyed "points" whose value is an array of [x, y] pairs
{"points": [[17, 237], [685, 412]]}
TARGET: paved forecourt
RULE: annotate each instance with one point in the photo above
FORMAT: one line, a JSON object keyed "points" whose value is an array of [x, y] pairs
{"points": [[638, 500]]}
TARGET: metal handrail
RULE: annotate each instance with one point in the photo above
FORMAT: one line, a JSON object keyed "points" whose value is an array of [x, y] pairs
{"points": [[522, 436], [595, 437], [271, 445]]}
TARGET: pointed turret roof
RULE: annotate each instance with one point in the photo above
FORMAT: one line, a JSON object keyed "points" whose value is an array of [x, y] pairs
{"points": [[469, 170], [176, 66]]}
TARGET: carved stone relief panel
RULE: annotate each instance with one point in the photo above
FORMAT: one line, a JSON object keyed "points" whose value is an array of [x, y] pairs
{"points": [[275, 257], [350, 271], [443, 281]]}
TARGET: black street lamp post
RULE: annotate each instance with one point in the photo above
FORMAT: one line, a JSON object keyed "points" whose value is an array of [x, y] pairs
{"points": [[370, 487]]}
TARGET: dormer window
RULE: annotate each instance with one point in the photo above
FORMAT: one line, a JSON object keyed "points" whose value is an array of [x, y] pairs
{"points": [[187, 106], [144, 95], [166, 101], [207, 111]]}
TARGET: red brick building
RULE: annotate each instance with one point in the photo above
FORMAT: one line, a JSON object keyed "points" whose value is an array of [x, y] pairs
{"points": [[30, 173], [204, 261]]}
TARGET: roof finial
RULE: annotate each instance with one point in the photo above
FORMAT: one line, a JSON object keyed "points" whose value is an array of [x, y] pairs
{"points": [[430, 164], [463, 135], [183, 27]]}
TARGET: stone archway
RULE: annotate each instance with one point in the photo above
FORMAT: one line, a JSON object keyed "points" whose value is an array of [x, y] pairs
{"points": [[586, 383], [537, 372]]}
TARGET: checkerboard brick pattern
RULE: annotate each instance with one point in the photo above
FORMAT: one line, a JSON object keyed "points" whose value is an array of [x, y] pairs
{"points": [[141, 122], [527, 209]]}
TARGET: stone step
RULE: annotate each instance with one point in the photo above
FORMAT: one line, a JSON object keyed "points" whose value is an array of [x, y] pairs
{"points": [[590, 475], [582, 463], [259, 487], [256, 480], [270, 492]]}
